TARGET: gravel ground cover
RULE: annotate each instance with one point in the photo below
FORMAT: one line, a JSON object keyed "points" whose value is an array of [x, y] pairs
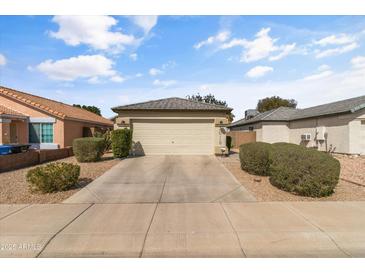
{"points": [[351, 169], [14, 188]]}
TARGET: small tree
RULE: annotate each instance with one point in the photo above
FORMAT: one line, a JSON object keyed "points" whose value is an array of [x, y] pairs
{"points": [[92, 109], [274, 102], [210, 99]]}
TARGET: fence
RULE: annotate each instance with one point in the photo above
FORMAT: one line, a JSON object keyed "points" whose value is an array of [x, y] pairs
{"points": [[240, 137], [32, 157]]}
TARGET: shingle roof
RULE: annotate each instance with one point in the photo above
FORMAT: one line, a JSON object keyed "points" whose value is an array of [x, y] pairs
{"points": [[279, 114], [173, 103], [54, 108], [289, 114], [9, 112]]}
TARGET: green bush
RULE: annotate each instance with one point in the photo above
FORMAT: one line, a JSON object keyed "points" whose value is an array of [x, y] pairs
{"points": [[53, 177], [255, 158], [121, 142], [229, 143], [303, 171], [89, 149]]}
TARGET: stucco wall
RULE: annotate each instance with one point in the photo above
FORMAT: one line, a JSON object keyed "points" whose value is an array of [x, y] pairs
{"points": [[275, 132], [343, 132], [4, 132]]}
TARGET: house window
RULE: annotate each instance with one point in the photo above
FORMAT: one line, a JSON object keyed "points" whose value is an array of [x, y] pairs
{"points": [[250, 128], [40, 133], [363, 122]]}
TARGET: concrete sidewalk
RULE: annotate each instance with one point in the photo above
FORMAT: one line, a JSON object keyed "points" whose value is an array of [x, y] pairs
{"points": [[298, 229]]}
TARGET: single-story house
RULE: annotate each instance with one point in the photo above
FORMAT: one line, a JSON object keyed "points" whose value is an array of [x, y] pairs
{"points": [[175, 126], [44, 123], [337, 126]]}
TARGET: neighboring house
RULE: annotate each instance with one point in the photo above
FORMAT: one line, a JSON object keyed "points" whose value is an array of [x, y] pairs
{"points": [[174, 126], [44, 123], [338, 126]]}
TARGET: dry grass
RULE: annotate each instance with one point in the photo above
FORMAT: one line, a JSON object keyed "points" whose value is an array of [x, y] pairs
{"points": [[14, 188], [260, 187]]}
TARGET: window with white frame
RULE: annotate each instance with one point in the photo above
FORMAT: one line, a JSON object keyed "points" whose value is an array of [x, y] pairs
{"points": [[40, 133]]}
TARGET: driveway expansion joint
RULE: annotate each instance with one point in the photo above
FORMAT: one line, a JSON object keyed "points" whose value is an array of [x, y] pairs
{"points": [[15, 211], [62, 228], [298, 213], [234, 230]]}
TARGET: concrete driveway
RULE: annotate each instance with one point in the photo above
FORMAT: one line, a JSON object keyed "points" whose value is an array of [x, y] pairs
{"points": [[164, 179]]}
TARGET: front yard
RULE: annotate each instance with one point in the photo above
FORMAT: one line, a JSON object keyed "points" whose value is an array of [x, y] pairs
{"points": [[14, 188], [352, 169]]}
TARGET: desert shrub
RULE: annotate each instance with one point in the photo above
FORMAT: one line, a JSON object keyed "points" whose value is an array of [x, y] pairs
{"points": [[255, 158], [121, 142], [229, 143], [303, 171], [89, 149], [53, 177], [107, 140]]}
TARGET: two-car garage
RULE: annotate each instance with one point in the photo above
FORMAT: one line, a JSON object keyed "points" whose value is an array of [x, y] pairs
{"points": [[174, 126]]}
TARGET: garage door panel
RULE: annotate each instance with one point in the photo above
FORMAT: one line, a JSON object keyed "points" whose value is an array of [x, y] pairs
{"points": [[174, 137]]}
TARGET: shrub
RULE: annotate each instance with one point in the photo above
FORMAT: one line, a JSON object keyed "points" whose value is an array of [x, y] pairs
{"points": [[303, 171], [107, 140], [89, 149], [255, 158], [53, 177], [121, 142], [229, 143]]}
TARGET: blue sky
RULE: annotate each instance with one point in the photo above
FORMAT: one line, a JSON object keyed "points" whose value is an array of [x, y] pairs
{"points": [[114, 60]]}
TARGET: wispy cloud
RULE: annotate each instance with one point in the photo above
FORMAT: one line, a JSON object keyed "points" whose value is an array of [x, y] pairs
{"points": [[259, 71], [218, 38], [164, 83], [2, 60]]}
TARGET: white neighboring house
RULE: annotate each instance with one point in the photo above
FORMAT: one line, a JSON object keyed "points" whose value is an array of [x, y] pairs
{"points": [[337, 126]]}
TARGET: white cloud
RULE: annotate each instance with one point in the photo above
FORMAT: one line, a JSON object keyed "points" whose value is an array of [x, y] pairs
{"points": [[220, 37], [358, 62], [133, 56], [323, 71], [117, 79], [323, 67], [94, 31], [146, 22], [2, 60], [259, 71], [155, 71], [286, 50], [138, 75], [262, 47], [340, 39], [164, 83], [90, 67], [336, 51], [319, 75]]}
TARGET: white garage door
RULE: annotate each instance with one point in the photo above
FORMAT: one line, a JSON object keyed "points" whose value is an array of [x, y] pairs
{"points": [[173, 137]]}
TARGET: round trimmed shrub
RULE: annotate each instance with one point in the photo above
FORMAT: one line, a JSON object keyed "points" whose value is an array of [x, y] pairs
{"points": [[303, 171], [121, 142], [255, 158], [88, 149], [53, 177]]}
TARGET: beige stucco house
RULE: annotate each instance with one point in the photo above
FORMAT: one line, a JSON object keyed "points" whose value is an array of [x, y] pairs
{"points": [[175, 126], [43, 123], [337, 127]]}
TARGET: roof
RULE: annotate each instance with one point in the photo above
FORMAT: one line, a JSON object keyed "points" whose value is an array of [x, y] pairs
{"points": [[278, 114], [173, 103], [290, 114], [4, 111], [54, 108]]}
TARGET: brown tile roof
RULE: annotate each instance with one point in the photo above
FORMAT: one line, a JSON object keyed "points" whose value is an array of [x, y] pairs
{"points": [[54, 108], [7, 111]]}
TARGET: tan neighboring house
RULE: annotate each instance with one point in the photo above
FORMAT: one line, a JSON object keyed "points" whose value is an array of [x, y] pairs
{"points": [[44, 123], [174, 126], [338, 126]]}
